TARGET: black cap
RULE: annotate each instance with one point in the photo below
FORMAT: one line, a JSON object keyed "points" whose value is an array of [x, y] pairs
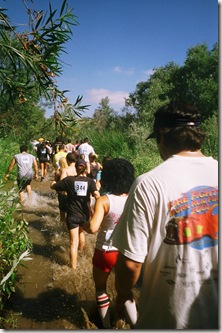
{"points": [[80, 162], [167, 121]]}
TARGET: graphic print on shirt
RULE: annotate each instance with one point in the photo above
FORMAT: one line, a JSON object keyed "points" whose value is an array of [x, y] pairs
{"points": [[25, 159], [108, 242], [81, 188], [194, 219]]}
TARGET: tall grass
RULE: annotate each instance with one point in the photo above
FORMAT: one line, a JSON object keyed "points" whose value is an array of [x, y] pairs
{"points": [[117, 144], [8, 149]]}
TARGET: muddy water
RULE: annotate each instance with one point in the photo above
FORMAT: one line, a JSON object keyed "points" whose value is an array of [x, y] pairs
{"points": [[49, 294]]}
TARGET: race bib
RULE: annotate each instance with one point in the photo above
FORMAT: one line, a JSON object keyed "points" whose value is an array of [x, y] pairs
{"points": [[25, 159], [81, 188]]}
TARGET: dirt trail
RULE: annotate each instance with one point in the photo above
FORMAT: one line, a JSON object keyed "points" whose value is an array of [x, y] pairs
{"points": [[49, 294]]}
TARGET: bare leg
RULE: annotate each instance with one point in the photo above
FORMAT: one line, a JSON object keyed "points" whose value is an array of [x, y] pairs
{"points": [[28, 189], [82, 240], [45, 168], [74, 243], [42, 170], [21, 197]]}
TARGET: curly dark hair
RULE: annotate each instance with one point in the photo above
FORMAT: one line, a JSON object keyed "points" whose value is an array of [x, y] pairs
{"points": [[117, 176]]}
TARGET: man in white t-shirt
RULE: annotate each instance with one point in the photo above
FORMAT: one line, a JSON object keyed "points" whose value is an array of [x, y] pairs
{"points": [[170, 227], [26, 165], [85, 148]]}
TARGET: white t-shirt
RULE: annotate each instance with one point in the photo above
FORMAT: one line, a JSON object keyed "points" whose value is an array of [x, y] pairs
{"points": [[170, 222], [85, 149], [24, 163]]}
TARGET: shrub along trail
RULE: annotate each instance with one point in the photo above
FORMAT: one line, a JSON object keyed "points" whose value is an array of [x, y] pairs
{"points": [[49, 294]]}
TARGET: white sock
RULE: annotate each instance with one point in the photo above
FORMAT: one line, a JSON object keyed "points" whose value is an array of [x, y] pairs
{"points": [[131, 311], [103, 305]]}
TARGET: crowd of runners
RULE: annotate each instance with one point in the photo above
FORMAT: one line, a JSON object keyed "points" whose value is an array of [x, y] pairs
{"points": [[161, 227]]}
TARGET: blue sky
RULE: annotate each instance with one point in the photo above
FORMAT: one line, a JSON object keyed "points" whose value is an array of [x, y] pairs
{"points": [[119, 42]]}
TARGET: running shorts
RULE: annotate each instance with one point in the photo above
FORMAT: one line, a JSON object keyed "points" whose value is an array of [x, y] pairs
{"points": [[105, 260], [74, 222], [22, 183]]}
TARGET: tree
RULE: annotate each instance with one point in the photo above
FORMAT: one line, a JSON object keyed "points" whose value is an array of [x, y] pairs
{"points": [[151, 94], [196, 82], [23, 122], [104, 114], [38, 51]]}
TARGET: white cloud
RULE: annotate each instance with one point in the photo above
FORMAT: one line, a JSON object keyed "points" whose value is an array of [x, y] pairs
{"points": [[118, 69], [115, 97], [149, 72]]}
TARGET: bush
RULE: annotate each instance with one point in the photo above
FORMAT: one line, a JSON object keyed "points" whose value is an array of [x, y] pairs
{"points": [[211, 128]]}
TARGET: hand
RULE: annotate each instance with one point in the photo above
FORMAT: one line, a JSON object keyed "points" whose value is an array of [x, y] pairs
{"points": [[53, 183], [6, 176]]}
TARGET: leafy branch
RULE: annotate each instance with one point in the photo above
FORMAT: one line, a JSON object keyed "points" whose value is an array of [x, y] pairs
{"points": [[37, 51]]}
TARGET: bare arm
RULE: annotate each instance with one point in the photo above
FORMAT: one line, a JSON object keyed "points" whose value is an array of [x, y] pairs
{"points": [[127, 273], [87, 168], [101, 209], [35, 165], [11, 166], [96, 194], [57, 175], [63, 174]]}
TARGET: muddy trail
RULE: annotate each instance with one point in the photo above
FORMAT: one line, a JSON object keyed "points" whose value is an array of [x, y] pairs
{"points": [[49, 294]]}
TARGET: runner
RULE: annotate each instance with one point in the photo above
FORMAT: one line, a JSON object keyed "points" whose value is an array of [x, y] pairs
{"points": [[25, 163], [79, 189], [117, 178], [43, 155]]}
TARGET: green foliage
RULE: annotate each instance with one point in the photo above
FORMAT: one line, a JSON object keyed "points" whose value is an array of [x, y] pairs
{"points": [[153, 93], [65, 116], [39, 50], [14, 241], [111, 134], [211, 128], [103, 114], [29, 63], [195, 82], [114, 143], [14, 245], [111, 143], [23, 122], [8, 148]]}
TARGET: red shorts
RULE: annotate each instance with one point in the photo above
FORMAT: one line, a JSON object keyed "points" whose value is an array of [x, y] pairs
{"points": [[105, 260]]}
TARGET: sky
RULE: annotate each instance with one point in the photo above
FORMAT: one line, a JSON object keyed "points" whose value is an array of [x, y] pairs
{"points": [[118, 43]]}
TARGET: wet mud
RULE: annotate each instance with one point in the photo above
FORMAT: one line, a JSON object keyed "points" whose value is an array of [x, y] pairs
{"points": [[49, 294]]}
